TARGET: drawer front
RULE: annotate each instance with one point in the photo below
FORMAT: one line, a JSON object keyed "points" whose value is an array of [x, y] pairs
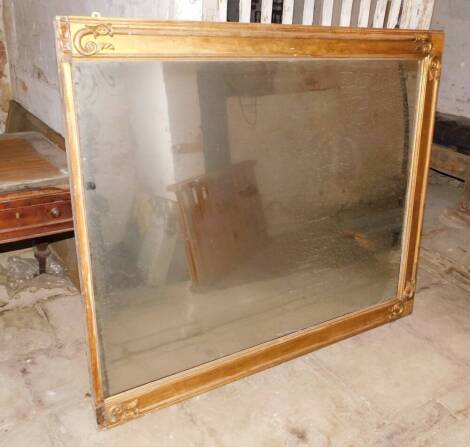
{"points": [[41, 214], [36, 220], [11, 201]]}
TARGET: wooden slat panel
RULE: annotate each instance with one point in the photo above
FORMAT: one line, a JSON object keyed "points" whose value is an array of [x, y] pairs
{"points": [[416, 11], [266, 11], [426, 16], [222, 10], [364, 11], [405, 18], [393, 14], [288, 11], [379, 15], [309, 7], [327, 12], [414, 14], [336, 13], [355, 13], [346, 10], [245, 11]]}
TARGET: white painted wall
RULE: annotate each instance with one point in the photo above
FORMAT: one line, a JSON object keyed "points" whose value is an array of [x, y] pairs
{"points": [[31, 46], [454, 17]]}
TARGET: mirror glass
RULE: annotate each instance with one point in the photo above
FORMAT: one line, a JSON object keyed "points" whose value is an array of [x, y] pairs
{"points": [[230, 203]]}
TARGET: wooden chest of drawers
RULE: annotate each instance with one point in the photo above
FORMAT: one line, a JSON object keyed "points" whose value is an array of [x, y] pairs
{"points": [[34, 192]]}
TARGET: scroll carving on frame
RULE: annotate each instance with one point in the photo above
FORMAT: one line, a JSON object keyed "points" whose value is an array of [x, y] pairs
{"points": [[89, 47]]}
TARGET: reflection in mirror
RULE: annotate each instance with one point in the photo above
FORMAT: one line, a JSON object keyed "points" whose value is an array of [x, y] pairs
{"points": [[231, 203]]}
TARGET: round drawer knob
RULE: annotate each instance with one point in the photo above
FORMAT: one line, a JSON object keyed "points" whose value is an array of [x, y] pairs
{"points": [[55, 212]]}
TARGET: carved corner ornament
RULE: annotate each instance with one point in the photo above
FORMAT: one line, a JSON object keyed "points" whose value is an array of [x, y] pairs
{"points": [[123, 412], [91, 47], [398, 308], [63, 36], [409, 292], [435, 69], [424, 45]]}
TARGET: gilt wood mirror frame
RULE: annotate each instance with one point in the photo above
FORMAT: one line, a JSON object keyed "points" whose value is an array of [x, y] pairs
{"points": [[240, 73]]}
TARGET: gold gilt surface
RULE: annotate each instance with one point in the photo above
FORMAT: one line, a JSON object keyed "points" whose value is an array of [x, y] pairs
{"points": [[84, 38]]}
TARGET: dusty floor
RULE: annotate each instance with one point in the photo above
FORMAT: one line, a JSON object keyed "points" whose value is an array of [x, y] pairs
{"points": [[403, 384]]}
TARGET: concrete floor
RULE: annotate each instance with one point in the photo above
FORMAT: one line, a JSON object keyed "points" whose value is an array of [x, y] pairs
{"points": [[403, 384]]}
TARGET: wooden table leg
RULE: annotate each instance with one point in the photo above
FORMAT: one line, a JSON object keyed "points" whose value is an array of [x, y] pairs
{"points": [[41, 252]]}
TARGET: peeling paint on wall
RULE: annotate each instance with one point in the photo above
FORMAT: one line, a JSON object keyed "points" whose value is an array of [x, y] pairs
{"points": [[31, 45], [453, 16], [5, 91]]}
